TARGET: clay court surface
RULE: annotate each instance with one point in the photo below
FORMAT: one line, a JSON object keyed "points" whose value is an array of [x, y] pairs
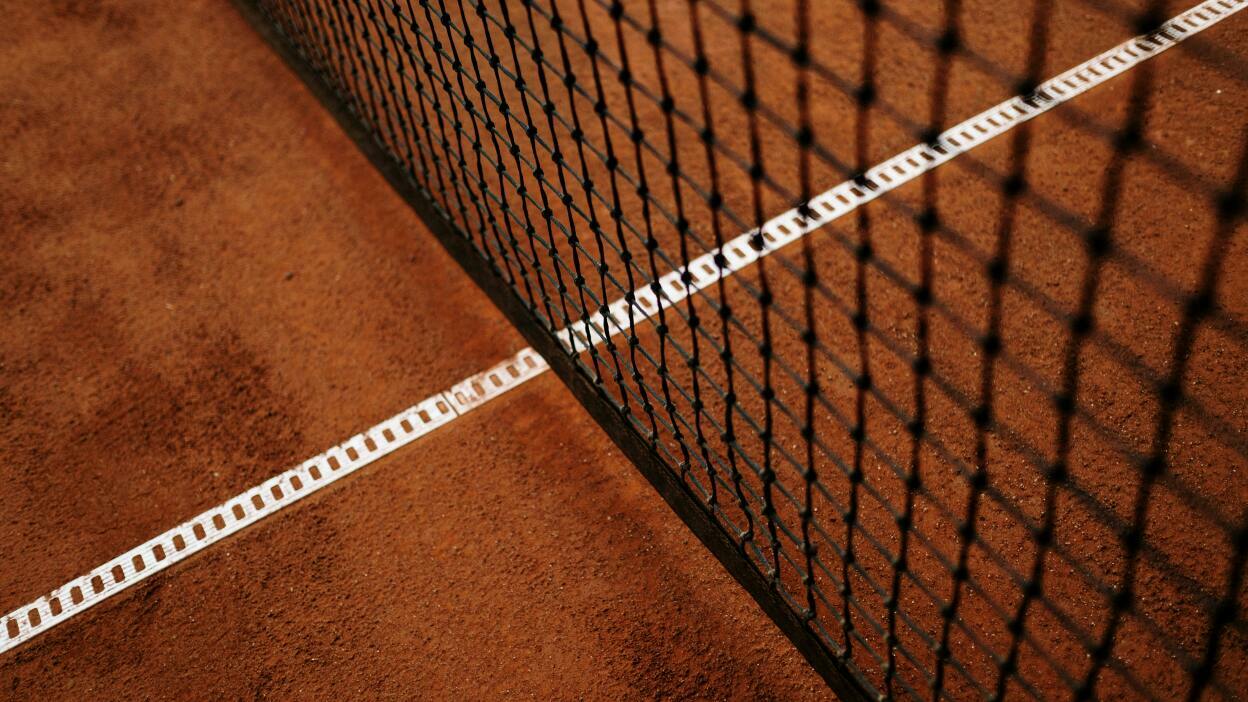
{"points": [[203, 282]]}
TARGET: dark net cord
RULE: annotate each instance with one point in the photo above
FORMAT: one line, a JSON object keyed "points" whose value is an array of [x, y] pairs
{"points": [[999, 268], [931, 214], [585, 148]]}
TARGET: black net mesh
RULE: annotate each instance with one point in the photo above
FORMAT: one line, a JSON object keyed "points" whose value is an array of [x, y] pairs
{"points": [[980, 427]]}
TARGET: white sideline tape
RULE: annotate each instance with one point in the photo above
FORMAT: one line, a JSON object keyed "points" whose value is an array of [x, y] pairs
{"points": [[277, 492], [904, 167]]}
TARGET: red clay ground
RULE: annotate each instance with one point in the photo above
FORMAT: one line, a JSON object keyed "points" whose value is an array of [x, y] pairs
{"points": [[203, 282], [195, 286]]}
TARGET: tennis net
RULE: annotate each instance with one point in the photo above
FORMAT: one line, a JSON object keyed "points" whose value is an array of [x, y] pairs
{"points": [[968, 432]]}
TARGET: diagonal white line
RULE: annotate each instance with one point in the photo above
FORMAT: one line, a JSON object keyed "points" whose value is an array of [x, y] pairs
{"points": [[906, 166], [284, 489], [276, 493]]}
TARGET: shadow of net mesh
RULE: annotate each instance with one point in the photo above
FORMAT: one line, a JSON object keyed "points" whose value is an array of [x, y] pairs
{"points": [[984, 434]]}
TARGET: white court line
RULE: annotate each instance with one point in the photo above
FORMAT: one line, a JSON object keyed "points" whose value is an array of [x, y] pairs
{"points": [[790, 226], [277, 492], [280, 491]]}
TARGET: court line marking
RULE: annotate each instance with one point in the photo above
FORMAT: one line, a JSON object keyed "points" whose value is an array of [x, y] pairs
{"points": [[284, 489], [906, 166]]}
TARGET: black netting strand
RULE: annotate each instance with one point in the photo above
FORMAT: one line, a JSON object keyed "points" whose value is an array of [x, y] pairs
{"points": [[983, 438]]}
